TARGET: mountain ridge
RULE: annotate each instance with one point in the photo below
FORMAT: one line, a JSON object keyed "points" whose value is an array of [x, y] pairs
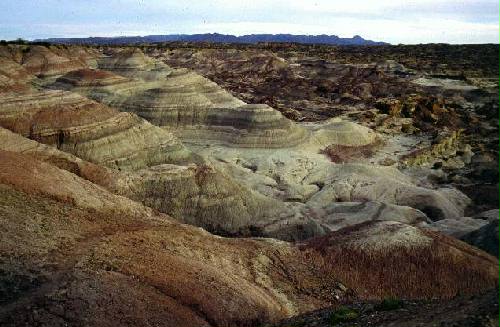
{"points": [[217, 38]]}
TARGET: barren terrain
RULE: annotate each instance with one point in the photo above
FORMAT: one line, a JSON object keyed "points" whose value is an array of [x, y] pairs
{"points": [[188, 184]]}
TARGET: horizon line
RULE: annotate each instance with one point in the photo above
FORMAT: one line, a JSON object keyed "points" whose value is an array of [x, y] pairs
{"points": [[236, 35]]}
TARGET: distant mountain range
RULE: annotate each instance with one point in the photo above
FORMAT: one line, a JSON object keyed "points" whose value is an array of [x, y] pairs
{"points": [[216, 38]]}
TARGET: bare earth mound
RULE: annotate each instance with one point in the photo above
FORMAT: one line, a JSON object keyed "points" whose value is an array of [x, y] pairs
{"points": [[137, 194], [87, 247]]}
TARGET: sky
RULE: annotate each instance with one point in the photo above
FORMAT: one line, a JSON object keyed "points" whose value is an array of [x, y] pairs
{"points": [[408, 22]]}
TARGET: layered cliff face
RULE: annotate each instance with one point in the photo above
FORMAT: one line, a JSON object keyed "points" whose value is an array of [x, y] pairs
{"points": [[45, 61], [186, 103], [90, 130], [13, 77], [127, 61], [96, 253], [123, 141], [97, 174], [23, 67]]}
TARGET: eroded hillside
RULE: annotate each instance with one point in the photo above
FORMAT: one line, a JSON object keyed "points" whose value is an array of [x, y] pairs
{"points": [[112, 159]]}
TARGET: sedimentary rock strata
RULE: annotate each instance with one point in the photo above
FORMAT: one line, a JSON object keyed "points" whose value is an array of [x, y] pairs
{"points": [[199, 111], [97, 174], [187, 103], [302, 87], [128, 61], [196, 194], [457, 227], [49, 61], [108, 156], [13, 77], [402, 92], [338, 215], [203, 196], [90, 130], [91, 77]]}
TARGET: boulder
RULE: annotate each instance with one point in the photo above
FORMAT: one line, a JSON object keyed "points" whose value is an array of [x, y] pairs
{"points": [[457, 227], [490, 215], [338, 215], [485, 238]]}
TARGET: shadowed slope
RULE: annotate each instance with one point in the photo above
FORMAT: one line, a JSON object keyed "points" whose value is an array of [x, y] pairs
{"points": [[396, 260], [195, 194], [90, 252]]}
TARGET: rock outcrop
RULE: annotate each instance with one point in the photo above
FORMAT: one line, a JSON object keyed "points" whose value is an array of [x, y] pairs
{"points": [[96, 174], [131, 61], [338, 215], [340, 132], [203, 196], [485, 238], [457, 227], [98, 192], [490, 215], [301, 86], [354, 182], [91, 77]]}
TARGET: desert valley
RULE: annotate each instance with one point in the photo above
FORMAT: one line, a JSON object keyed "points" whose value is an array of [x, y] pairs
{"points": [[270, 184]]}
